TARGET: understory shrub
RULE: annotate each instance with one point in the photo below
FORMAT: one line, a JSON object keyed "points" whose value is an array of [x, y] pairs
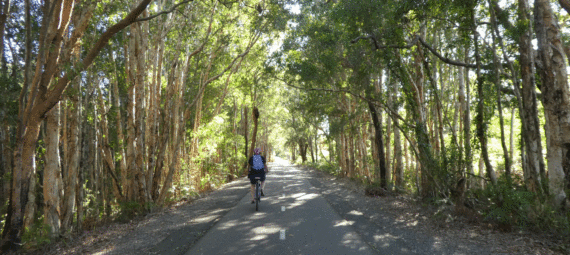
{"points": [[324, 166], [129, 210], [510, 204]]}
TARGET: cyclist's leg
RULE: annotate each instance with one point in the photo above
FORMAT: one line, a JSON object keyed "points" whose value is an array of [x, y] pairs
{"points": [[252, 188], [262, 183]]}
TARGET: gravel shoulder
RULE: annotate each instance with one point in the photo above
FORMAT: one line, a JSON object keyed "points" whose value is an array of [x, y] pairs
{"points": [[392, 221], [171, 231], [401, 220]]}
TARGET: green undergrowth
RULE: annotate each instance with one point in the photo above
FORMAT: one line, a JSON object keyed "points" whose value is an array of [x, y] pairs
{"points": [[36, 236], [512, 204], [324, 166]]}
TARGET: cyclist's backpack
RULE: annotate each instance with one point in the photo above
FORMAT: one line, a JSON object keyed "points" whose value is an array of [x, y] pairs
{"points": [[257, 162]]}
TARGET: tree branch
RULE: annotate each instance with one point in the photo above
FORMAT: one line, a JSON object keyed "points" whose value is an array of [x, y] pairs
{"points": [[565, 4], [163, 12], [411, 44], [54, 95], [390, 111], [378, 46], [444, 59]]}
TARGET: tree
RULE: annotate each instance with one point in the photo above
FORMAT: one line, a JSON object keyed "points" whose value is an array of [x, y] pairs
{"points": [[555, 98], [44, 94]]}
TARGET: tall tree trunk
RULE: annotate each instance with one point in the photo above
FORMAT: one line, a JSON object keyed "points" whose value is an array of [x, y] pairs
{"points": [[5, 8], [311, 149], [167, 132], [464, 98], [140, 49], [352, 162], [381, 170], [535, 170], [303, 145], [132, 168], [511, 135], [245, 113], [414, 91], [398, 163], [388, 144], [555, 98], [497, 81], [255, 114], [481, 118], [72, 158], [52, 184], [6, 163], [106, 153], [120, 133]]}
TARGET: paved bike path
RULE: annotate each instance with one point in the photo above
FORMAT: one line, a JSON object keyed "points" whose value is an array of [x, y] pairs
{"points": [[293, 219]]}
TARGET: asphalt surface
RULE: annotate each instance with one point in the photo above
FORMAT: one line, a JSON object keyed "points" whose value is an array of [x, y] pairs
{"points": [[294, 218]]}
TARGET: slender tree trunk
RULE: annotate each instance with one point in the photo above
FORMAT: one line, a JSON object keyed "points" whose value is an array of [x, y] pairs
{"points": [[481, 119], [72, 158], [5, 8], [497, 81], [535, 171], [381, 170], [245, 113], [120, 134], [140, 49], [132, 190], [511, 135], [107, 154], [6, 164], [255, 114], [388, 145], [351, 162], [398, 164], [165, 135]]}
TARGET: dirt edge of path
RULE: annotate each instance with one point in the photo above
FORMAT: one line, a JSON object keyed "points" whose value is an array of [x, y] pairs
{"points": [[454, 229], [156, 232]]}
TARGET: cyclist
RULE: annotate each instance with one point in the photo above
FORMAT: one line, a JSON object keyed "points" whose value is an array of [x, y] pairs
{"points": [[258, 168]]}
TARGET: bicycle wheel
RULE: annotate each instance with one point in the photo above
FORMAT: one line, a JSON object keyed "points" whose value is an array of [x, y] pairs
{"points": [[257, 196]]}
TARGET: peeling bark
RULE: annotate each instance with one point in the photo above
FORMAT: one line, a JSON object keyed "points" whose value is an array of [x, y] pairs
{"points": [[52, 173]]}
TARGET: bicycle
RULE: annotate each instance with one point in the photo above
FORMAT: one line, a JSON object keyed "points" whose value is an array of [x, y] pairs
{"points": [[257, 192]]}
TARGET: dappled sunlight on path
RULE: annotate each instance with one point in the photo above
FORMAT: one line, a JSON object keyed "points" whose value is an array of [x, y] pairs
{"points": [[293, 219]]}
